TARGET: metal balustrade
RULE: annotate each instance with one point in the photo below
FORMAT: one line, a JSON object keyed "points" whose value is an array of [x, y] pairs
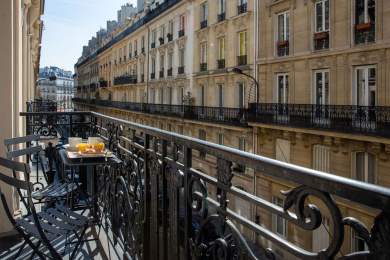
{"points": [[368, 120], [158, 205]]}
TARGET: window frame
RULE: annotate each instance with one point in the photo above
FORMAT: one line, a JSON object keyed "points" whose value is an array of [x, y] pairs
{"points": [[323, 29], [323, 72]]}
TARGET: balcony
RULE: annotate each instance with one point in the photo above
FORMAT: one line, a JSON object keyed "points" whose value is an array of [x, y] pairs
{"points": [[161, 74], [169, 72], [103, 83], [180, 70], [170, 37], [242, 60], [203, 24], [152, 75], [203, 67], [142, 78], [135, 53], [125, 79], [364, 33], [221, 64], [153, 45], [283, 48], [143, 50], [181, 33], [243, 8], [155, 188], [161, 40], [321, 41], [221, 17]]}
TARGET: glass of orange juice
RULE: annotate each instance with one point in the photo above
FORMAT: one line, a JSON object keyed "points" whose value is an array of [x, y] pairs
{"points": [[82, 148], [99, 147]]}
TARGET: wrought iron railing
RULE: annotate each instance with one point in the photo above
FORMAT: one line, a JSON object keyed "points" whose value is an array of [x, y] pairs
{"points": [[125, 79], [221, 17], [158, 205], [203, 24], [221, 64], [203, 67], [243, 8], [242, 60], [366, 120], [39, 105], [181, 33], [180, 70]]}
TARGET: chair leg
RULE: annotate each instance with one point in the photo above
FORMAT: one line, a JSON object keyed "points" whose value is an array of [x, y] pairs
{"points": [[37, 247], [20, 250], [79, 243]]}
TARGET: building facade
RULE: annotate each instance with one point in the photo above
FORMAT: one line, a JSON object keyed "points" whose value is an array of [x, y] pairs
{"points": [[322, 99], [21, 36]]}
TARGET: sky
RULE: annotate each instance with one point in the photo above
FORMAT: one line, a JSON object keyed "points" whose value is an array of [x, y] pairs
{"points": [[69, 24]]}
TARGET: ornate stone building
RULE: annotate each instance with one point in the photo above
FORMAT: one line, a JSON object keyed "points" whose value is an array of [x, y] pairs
{"points": [[323, 69]]}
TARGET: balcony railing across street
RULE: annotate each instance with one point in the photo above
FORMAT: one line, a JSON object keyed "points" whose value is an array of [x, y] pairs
{"points": [[158, 205], [342, 118]]}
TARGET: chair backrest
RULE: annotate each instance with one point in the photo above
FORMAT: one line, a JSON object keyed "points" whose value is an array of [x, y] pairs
{"points": [[15, 167], [20, 140], [25, 151]]}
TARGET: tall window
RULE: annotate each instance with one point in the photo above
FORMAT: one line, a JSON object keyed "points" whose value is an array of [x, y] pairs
{"points": [[358, 243], [203, 12], [283, 34], [182, 23], [162, 31], [130, 50], [220, 95], [364, 21], [221, 48], [135, 48], [221, 6], [170, 60], [161, 96], [242, 43], [162, 62], [202, 136], [321, 87], [170, 95], [241, 95], [203, 53], [322, 15], [282, 88], [220, 138], [202, 95], [365, 86], [321, 158], [279, 224], [242, 143], [181, 57], [153, 65], [364, 166], [143, 42], [154, 36]]}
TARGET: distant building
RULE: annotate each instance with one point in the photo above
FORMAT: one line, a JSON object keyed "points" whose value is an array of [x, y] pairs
{"points": [[125, 12], [57, 85], [140, 5]]}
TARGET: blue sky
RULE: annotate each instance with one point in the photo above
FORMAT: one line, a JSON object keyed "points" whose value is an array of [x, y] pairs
{"points": [[69, 24]]}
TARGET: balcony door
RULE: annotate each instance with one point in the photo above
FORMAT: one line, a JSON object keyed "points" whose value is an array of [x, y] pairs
{"points": [[321, 96], [364, 96], [282, 87]]}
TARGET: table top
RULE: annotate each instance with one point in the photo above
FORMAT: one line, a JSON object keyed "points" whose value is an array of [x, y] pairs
{"points": [[87, 161]]}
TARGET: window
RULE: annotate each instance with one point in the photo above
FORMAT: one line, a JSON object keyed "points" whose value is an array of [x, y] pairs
{"points": [[283, 34], [358, 243], [135, 48], [241, 95], [279, 224], [202, 136], [161, 96], [282, 88], [203, 56], [221, 6], [242, 143], [220, 95], [364, 166], [202, 95], [182, 25], [170, 27], [170, 95], [282, 150], [143, 42], [321, 87], [153, 67], [221, 48], [321, 158], [242, 43], [181, 57], [203, 12], [365, 86], [364, 21], [322, 16], [220, 138], [154, 37], [162, 62], [162, 32]]}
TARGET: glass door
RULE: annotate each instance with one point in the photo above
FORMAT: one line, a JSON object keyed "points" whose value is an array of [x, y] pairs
{"points": [[365, 96]]}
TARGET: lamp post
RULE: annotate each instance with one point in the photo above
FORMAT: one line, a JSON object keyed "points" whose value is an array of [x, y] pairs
{"points": [[239, 71]]}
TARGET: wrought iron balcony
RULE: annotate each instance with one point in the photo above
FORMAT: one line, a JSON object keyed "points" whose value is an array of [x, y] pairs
{"points": [[170, 37], [143, 50], [142, 78], [180, 70], [242, 60], [203, 24], [203, 67], [169, 72], [243, 8], [156, 188], [161, 40], [103, 83], [181, 33], [135, 53], [221, 17], [221, 64], [321, 41], [125, 79], [153, 45], [373, 121], [283, 48], [364, 33], [161, 74]]}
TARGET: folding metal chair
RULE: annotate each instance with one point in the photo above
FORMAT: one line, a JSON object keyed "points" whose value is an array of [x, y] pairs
{"points": [[53, 191], [44, 229]]}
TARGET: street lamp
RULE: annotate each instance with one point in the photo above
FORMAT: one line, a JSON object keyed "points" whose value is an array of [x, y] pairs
{"points": [[240, 72]]}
